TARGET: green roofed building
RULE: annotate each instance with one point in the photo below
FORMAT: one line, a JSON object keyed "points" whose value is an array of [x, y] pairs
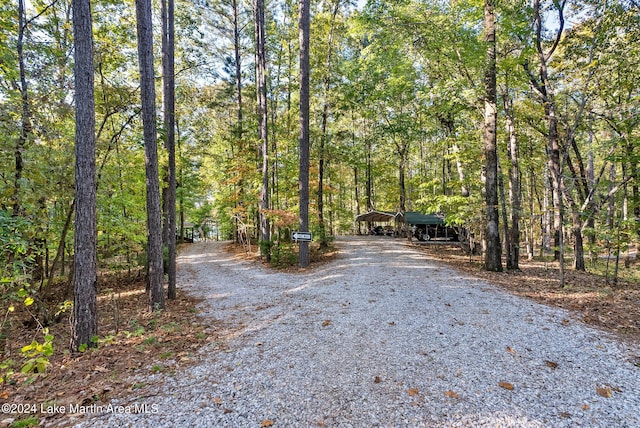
{"points": [[424, 227]]}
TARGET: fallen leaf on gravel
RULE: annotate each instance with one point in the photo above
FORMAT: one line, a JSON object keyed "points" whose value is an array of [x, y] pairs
{"points": [[326, 323], [551, 364], [605, 392], [506, 385], [217, 400], [510, 350], [225, 411], [377, 379], [413, 391], [585, 407], [267, 423], [4, 395], [451, 394]]}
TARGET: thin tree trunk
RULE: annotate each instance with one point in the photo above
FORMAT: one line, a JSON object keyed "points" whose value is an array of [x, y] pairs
{"points": [[357, 196], [493, 254], [155, 275], [578, 245], [543, 86], [239, 129], [515, 197], [304, 36], [263, 132], [168, 72], [26, 126], [369, 188], [402, 150], [464, 190], [324, 133], [532, 201], [238, 68], [85, 315], [503, 207], [60, 251]]}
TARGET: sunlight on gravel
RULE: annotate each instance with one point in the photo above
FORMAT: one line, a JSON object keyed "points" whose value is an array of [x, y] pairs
{"points": [[383, 337]]}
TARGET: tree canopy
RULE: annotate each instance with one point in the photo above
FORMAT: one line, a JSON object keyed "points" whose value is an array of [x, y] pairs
{"points": [[398, 95]]}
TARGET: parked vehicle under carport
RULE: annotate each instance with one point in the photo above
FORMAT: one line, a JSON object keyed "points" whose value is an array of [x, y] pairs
{"points": [[426, 227]]}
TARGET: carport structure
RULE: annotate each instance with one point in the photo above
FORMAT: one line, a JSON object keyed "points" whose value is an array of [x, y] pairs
{"points": [[428, 226], [373, 217]]}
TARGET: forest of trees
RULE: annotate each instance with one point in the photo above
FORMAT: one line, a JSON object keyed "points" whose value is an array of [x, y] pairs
{"points": [[518, 119]]}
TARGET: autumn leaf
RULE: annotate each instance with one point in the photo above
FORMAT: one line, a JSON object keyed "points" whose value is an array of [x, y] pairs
{"points": [[506, 385], [377, 379], [605, 392], [217, 400], [511, 350], [551, 364], [4, 395], [451, 394], [326, 323], [413, 391], [585, 407], [267, 423]]}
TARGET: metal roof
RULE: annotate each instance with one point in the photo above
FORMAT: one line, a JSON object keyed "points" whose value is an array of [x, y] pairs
{"points": [[412, 217], [372, 216]]}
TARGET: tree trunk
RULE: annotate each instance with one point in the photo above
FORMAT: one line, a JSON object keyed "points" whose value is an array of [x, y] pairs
{"points": [[464, 190], [155, 274], [238, 69], [357, 197], [515, 198], [503, 208], [168, 72], [493, 254], [402, 166], [369, 188], [304, 36], [85, 315], [25, 126], [263, 117], [578, 245], [632, 157], [239, 128], [60, 251], [324, 133], [545, 90]]}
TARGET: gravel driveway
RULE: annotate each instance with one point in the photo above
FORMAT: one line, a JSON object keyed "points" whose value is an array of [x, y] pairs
{"points": [[382, 337]]}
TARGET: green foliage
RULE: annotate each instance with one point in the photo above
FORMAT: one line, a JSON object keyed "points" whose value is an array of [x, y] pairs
{"points": [[284, 255], [31, 421], [6, 370], [150, 341], [37, 354], [265, 249], [16, 254]]}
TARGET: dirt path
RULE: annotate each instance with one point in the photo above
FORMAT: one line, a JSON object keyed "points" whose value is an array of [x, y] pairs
{"points": [[382, 337]]}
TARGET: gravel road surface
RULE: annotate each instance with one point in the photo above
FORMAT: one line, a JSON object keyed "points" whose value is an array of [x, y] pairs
{"points": [[381, 337]]}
